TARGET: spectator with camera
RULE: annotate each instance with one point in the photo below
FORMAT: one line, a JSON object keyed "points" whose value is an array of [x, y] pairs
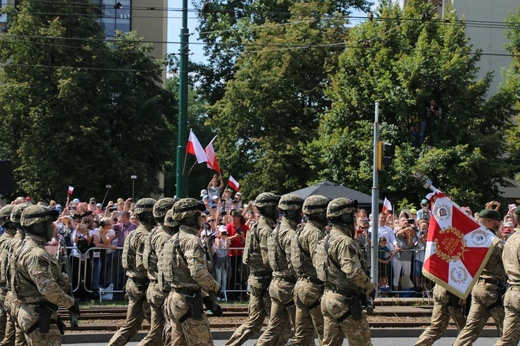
{"points": [[82, 238], [102, 237], [404, 246], [215, 186], [420, 247]]}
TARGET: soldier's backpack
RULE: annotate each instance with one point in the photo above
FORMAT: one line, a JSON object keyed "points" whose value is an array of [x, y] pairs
{"points": [[165, 264], [128, 257], [321, 260]]}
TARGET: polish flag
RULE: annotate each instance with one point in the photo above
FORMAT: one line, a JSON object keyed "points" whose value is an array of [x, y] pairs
{"points": [[71, 190], [387, 206], [195, 148], [457, 246], [212, 158], [233, 183]]}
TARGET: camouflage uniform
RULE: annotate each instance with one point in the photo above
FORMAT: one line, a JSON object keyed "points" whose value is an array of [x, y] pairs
{"points": [[485, 299], [260, 273], [13, 332], [281, 288], [337, 262], [511, 258], [153, 246], [137, 283], [38, 281], [190, 277], [445, 304], [308, 289], [5, 239]]}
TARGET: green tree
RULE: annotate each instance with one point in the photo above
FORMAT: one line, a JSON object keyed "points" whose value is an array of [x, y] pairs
{"points": [[403, 59], [76, 110], [270, 109]]}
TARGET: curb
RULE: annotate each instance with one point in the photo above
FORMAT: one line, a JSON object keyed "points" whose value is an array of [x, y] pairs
{"points": [[78, 338]]}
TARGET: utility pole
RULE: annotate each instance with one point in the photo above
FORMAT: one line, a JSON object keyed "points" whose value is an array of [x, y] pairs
{"points": [[375, 199], [181, 188]]}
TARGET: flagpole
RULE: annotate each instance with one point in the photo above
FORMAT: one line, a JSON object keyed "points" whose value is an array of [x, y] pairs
{"points": [[375, 202], [194, 163]]}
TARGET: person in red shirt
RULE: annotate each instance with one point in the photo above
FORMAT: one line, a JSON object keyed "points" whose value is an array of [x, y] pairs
{"points": [[237, 231]]}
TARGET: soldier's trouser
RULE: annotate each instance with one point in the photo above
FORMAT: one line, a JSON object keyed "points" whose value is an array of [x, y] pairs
{"points": [[28, 319], [137, 308], [442, 310], [258, 308], [485, 303], [309, 319], [155, 298], [338, 321], [3, 312], [13, 333], [187, 331], [282, 314], [511, 335]]}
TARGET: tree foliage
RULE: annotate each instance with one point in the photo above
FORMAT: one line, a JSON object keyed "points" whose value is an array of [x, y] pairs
{"points": [[270, 109], [403, 59], [76, 110]]}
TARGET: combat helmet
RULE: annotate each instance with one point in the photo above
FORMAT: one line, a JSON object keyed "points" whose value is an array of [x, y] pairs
{"points": [[5, 213], [290, 201], [144, 205], [36, 214], [266, 199], [170, 225], [161, 207], [341, 206], [315, 204], [16, 213], [187, 207]]}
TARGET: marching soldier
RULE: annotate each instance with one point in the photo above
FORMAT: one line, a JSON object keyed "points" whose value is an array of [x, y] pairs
{"points": [[190, 326], [260, 273], [486, 295], [511, 258], [153, 246], [445, 304], [284, 277], [338, 264], [137, 283], [5, 239], [13, 332], [37, 281], [308, 289]]}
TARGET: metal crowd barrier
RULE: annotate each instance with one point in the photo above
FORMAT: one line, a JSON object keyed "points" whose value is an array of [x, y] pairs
{"points": [[100, 270]]}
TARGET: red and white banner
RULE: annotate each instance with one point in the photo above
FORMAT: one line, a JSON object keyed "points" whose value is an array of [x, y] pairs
{"points": [[457, 247], [195, 148], [212, 158], [387, 206], [233, 183], [71, 190]]}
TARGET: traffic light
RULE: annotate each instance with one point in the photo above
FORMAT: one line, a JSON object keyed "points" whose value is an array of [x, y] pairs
{"points": [[385, 154]]}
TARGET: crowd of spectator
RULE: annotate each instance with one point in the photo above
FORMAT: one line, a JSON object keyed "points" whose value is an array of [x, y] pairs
{"points": [[94, 236]]}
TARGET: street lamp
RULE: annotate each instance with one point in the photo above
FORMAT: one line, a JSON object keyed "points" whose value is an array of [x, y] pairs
{"points": [[133, 177]]}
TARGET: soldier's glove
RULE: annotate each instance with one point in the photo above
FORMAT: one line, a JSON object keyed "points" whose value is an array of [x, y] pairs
{"points": [[61, 325], [220, 294], [75, 308], [372, 294], [212, 306]]}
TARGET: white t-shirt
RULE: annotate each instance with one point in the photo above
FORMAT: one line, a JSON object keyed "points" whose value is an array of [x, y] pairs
{"points": [[110, 233]]}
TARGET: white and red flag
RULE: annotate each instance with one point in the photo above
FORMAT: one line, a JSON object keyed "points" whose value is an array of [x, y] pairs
{"points": [[212, 158], [233, 183], [195, 148], [387, 206], [71, 190], [457, 248]]}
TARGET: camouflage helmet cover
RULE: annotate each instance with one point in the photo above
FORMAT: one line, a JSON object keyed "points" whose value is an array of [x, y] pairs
{"points": [[162, 206], [290, 201], [186, 207], [35, 214], [16, 213], [144, 205], [340, 206], [169, 220], [266, 199], [5, 212], [315, 204]]}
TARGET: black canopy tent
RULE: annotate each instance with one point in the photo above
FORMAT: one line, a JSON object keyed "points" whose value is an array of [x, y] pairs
{"points": [[333, 190]]}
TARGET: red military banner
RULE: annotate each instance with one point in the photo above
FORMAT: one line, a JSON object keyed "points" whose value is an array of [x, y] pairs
{"points": [[457, 247]]}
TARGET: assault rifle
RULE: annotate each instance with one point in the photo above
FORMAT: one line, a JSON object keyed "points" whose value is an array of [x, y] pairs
{"points": [[64, 265]]}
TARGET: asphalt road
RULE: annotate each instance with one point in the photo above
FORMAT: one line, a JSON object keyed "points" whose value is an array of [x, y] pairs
{"points": [[446, 341]]}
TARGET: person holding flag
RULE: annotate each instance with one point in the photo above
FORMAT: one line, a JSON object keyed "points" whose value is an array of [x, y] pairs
{"points": [[487, 292]]}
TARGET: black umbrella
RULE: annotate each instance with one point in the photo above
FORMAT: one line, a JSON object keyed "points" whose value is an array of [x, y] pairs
{"points": [[333, 190]]}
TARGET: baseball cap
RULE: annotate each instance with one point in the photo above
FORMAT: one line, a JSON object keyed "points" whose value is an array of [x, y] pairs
{"points": [[203, 192], [75, 200], [99, 205], [214, 198], [92, 199], [205, 196]]}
